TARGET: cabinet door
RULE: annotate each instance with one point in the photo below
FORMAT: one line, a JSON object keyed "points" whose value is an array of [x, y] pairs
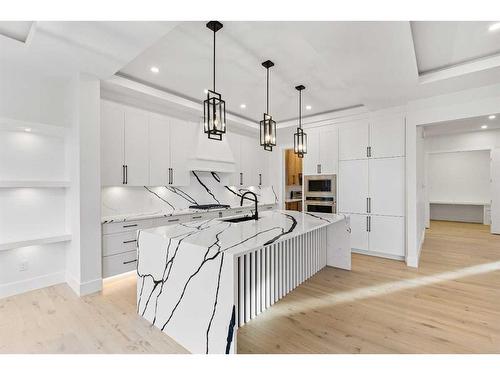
{"points": [[328, 151], [387, 186], [112, 158], [262, 166], [311, 159], [234, 141], [387, 136], [248, 161], [353, 186], [182, 134], [387, 236], [353, 140], [159, 150], [359, 232], [136, 147]]}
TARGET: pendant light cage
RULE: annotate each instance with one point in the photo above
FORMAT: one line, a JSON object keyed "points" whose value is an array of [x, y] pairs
{"points": [[267, 125], [214, 108], [300, 138]]}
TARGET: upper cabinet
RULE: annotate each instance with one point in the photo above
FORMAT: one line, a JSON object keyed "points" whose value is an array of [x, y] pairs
{"points": [[322, 151], [354, 140], [387, 136], [251, 161], [140, 148], [112, 144], [136, 148], [380, 137]]}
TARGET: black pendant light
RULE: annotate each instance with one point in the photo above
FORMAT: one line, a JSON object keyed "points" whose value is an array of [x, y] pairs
{"points": [[267, 125], [300, 138], [214, 108]]}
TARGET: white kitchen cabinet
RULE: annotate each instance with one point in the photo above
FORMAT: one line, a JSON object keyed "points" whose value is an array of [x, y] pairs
{"points": [[328, 151], [311, 159], [359, 232], [353, 140], [112, 144], [182, 134], [136, 148], [262, 166], [387, 136], [248, 161], [353, 186], [159, 150], [386, 186], [386, 236], [234, 141]]}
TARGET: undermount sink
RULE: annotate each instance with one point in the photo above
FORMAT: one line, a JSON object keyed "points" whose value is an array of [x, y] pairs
{"points": [[238, 219]]}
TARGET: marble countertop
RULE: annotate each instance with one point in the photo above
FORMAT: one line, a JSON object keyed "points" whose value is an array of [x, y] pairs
{"points": [[158, 214], [240, 237]]}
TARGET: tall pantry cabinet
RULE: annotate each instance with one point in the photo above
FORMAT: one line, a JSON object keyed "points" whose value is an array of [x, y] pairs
{"points": [[372, 184]]}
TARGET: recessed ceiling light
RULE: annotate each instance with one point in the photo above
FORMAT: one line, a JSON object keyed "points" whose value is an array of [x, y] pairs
{"points": [[155, 69], [492, 117], [243, 106], [484, 126], [308, 107], [205, 91], [28, 130], [494, 26]]}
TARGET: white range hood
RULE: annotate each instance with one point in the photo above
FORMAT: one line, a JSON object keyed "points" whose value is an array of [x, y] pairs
{"points": [[211, 155]]}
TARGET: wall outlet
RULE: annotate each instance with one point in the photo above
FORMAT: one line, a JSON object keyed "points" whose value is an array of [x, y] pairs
{"points": [[23, 266]]}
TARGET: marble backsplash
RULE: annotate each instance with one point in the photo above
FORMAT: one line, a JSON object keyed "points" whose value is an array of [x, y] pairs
{"points": [[205, 188]]}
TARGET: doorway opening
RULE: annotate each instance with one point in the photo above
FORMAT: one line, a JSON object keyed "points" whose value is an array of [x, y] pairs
{"points": [[293, 181]]}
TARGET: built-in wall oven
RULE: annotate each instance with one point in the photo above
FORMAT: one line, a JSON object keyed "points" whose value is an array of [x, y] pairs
{"points": [[320, 192]]}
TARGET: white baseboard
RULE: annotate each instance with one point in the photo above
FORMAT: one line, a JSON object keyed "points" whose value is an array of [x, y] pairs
{"points": [[83, 289], [23, 286], [377, 254]]}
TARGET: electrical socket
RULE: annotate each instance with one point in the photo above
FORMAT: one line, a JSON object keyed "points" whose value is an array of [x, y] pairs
{"points": [[23, 266]]}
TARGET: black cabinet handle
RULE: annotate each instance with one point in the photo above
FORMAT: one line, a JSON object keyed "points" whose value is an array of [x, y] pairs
{"points": [[241, 178], [123, 174], [260, 179], [130, 241], [196, 217], [126, 174], [130, 225], [238, 212], [172, 169], [367, 225], [172, 220], [130, 261]]}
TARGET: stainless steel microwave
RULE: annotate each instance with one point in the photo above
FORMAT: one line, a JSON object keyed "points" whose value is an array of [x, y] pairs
{"points": [[320, 193]]}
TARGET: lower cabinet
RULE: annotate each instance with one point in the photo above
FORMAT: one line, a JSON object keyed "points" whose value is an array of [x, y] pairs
{"points": [[119, 263], [378, 235]]}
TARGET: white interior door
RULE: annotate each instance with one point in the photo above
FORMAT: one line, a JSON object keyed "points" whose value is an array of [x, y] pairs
{"points": [[495, 191], [353, 140], [311, 159], [182, 134], [329, 151], [359, 232], [136, 147], [353, 186], [112, 158], [387, 136], [387, 186], [159, 150], [387, 236]]}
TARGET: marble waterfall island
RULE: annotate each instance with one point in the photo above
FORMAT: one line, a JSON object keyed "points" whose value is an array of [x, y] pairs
{"points": [[198, 282]]}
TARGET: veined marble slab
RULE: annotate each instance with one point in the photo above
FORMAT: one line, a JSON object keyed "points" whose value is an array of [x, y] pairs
{"points": [[187, 282]]}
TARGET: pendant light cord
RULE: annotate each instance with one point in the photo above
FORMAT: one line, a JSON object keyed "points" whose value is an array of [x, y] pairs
{"points": [[214, 60], [267, 96], [300, 109]]}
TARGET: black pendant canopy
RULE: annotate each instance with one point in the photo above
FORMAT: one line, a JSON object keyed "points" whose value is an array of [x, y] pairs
{"points": [[300, 138], [214, 108], [267, 125]]}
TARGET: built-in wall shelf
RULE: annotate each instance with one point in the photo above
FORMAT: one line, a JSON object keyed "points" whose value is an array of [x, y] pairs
{"points": [[34, 241], [34, 184], [9, 124], [464, 203]]}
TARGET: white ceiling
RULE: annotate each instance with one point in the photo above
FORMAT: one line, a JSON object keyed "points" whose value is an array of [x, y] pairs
{"points": [[466, 125], [342, 64], [440, 45]]}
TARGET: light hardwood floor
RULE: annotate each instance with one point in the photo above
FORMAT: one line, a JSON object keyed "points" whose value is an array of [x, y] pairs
{"points": [[451, 304]]}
